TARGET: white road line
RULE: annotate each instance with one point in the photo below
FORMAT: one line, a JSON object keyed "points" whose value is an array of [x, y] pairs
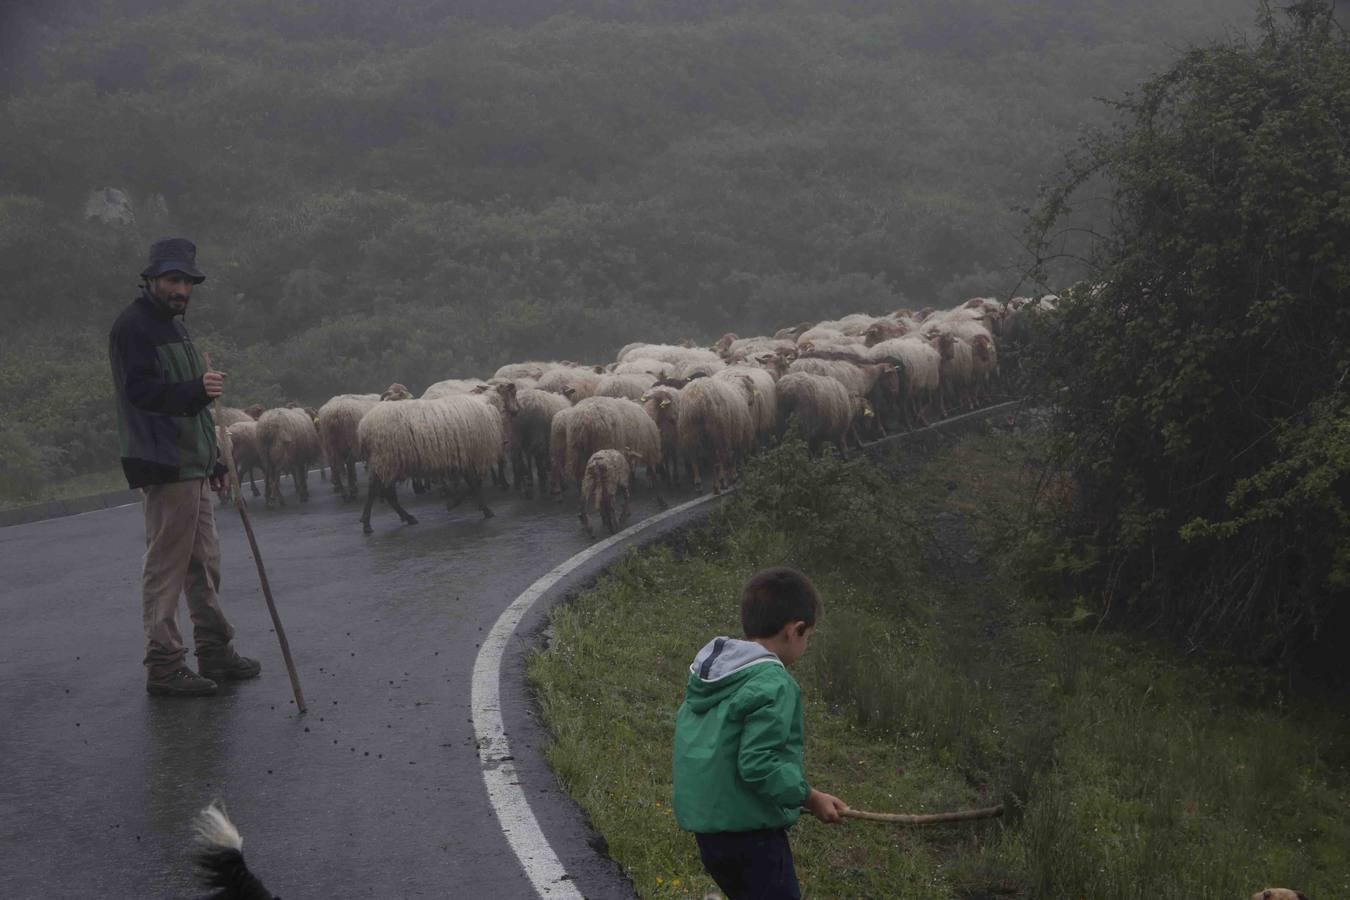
{"points": [[541, 864]]}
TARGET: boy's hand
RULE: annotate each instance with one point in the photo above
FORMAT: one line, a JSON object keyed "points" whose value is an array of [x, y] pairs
{"points": [[825, 807]]}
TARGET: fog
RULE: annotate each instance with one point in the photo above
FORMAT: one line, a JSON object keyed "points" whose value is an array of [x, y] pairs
{"points": [[411, 191]]}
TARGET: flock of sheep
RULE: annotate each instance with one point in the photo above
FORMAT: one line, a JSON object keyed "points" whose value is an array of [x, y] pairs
{"points": [[669, 409]]}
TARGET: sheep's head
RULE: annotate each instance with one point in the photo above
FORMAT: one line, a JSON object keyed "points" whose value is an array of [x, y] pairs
{"points": [[507, 391], [634, 458], [1279, 894], [724, 343], [983, 347], [902, 313], [570, 392], [924, 313], [396, 391], [255, 410], [888, 379]]}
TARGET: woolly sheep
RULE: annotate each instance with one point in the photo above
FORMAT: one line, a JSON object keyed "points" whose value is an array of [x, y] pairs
{"points": [[338, 419], [819, 405], [922, 380], [659, 405], [530, 431], [525, 371], [451, 387], [573, 383], [630, 385], [760, 396], [714, 427], [678, 357], [608, 473], [641, 365], [878, 381], [957, 367], [437, 439], [600, 423], [225, 416], [287, 442], [747, 348], [244, 441]]}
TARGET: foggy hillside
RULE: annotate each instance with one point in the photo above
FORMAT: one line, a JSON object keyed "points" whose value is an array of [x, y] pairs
{"points": [[415, 190]]}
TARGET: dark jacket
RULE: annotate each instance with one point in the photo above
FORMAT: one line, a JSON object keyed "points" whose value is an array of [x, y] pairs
{"points": [[164, 427]]}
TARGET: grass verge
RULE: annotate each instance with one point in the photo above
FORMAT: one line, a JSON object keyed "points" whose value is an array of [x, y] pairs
{"points": [[942, 677]]}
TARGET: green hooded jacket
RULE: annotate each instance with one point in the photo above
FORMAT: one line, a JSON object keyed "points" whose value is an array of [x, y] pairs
{"points": [[738, 742]]}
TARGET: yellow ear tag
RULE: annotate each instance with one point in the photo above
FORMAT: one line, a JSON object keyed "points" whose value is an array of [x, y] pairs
{"points": [[755, 392], [665, 403]]}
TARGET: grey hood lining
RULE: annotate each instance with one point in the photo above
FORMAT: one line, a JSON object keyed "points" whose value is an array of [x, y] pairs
{"points": [[723, 656]]}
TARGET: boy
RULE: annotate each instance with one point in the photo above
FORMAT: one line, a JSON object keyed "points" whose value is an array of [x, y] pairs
{"points": [[739, 782]]}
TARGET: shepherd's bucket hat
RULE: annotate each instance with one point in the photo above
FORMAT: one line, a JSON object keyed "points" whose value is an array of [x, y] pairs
{"points": [[173, 254]]}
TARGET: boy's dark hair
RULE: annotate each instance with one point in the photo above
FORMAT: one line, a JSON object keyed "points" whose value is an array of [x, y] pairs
{"points": [[774, 597]]}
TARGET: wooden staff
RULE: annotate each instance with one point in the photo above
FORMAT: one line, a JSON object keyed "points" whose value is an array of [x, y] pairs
{"points": [[227, 451], [965, 815]]}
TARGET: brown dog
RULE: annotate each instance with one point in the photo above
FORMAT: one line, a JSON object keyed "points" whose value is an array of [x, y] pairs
{"points": [[1279, 894]]}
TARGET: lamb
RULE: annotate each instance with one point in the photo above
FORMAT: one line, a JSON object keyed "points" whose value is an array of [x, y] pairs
{"points": [[244, 441], [714, 426], [760, 396], [432, 439], [922, 381], [530, 431], [338, 419], [601, 423], [287, 442], [820, 406], [630, 385], [608, 473]]}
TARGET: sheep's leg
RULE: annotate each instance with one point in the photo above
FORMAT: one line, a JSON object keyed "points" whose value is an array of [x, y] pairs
{"points": [[353, 488], [302, 482], [372, 489], [476, 488], [252, 480], [607, 510], [585, 510], [696, 477], [627, 498], [391, 497], [338, 486]]}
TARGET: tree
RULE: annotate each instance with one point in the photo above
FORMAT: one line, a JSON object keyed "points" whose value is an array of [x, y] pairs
{"points": [[1200, 380]]}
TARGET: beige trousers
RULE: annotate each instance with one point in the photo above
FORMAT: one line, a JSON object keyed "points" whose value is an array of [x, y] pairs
{"points": [[182, 555]]}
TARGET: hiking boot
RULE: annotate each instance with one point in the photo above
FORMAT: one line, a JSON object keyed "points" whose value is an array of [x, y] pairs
{"points": [[181, 682], [229, 668]]}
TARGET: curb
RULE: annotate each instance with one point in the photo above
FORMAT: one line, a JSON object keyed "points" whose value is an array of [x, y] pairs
{"points": [[562, 854]]}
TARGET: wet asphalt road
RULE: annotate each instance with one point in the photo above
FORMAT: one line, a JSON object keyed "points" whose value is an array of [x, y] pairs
{"points": [[375, 792]]}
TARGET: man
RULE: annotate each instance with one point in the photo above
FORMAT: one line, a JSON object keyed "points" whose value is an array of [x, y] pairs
{"points": [[168, 445]]}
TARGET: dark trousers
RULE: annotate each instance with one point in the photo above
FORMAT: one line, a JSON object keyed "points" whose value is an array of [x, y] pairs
{"points": [[751, 865]]}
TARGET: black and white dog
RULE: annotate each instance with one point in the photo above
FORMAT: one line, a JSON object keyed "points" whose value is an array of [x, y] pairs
{"points": [[220, 859]]}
